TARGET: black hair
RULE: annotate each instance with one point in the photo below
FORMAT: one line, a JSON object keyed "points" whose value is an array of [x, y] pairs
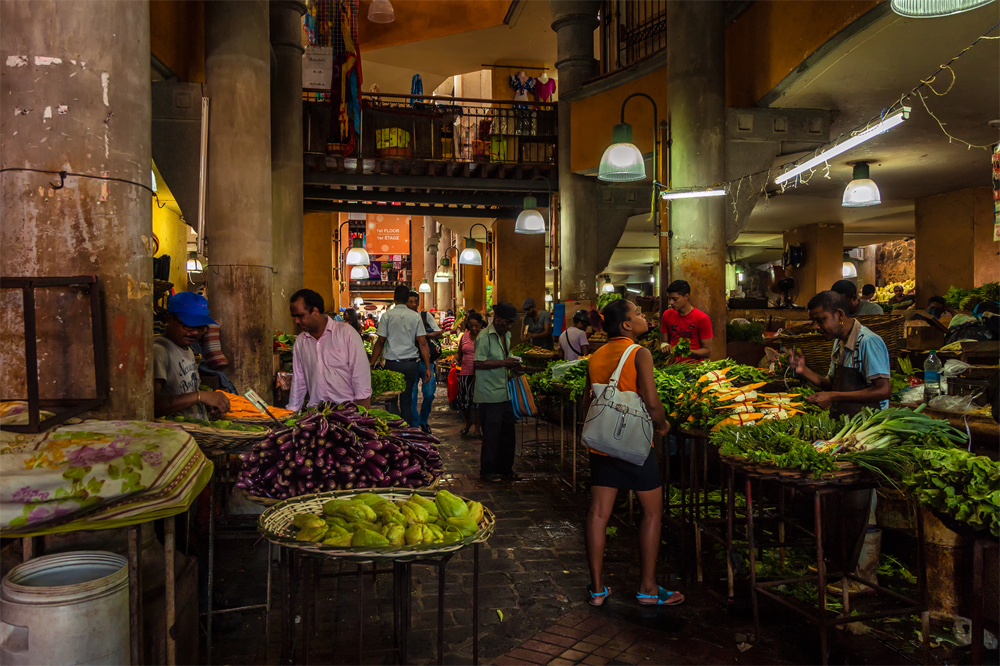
{"points": [[679, 287], [450, 312], [310, 299], [401, 294], [867, 289], [828, 301], [413, 294], [936, 299], [845, 288], [474, 316], [615, 313]]}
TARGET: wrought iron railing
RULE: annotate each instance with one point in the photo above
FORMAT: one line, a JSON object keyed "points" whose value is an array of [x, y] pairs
{"points": [[630, 31], [422, 127]]}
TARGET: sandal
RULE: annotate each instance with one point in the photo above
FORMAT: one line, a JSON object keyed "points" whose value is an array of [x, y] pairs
{"points": [[464, 431], [661, 598], [599, 598]]}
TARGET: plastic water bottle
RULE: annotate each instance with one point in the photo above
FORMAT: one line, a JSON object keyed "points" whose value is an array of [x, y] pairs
{"points": [[932, 377]]}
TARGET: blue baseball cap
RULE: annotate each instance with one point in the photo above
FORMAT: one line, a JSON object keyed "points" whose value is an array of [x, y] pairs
{"points": [[190, 308]]}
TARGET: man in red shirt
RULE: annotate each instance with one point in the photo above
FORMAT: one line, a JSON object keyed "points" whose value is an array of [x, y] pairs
{"points": [[683, 320]]}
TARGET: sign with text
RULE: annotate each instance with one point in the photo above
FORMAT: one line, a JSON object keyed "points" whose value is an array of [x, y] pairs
{"points": [[388, 234], [317, 68]]}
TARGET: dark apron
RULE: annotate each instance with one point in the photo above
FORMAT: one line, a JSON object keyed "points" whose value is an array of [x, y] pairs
{"points": [[848, 379]]}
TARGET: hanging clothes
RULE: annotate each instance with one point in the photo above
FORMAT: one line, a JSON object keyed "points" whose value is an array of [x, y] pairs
{"points": [[545, 91], [337, 21], [522, 85], [416, 88]]}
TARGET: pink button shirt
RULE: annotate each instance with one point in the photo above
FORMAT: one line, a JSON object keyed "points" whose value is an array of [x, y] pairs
{"points": [[334, 368]]}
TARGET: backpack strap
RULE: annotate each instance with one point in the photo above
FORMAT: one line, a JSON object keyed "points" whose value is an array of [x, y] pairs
{"points": [[621, 364]]}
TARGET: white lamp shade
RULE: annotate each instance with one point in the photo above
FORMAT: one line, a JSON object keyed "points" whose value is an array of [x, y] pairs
{"points": [[548, 298], [622, 163], [442, 276], [425, 287], [935, 8], [381, 11], [470, 255], [608, 287], [359, 273], [862, 192], [529, 222], [358, 302], [357, 255], [194, 265], [850, 270]]}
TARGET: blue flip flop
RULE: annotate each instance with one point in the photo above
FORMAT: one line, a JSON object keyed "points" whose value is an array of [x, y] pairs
{"points": [[661, 598], [594, 596]]}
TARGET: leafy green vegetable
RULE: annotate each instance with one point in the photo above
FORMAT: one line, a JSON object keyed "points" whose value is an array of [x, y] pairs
{"points": [[750, 332], [606, 298], [222, 424], [959, 484], [387, 381]]}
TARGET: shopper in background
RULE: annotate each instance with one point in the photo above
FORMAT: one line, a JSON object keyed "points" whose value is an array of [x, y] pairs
{"points": [[175, 372], [683, 320], [492, 363], [624, 326], [937, 307], [897, 295], [401, 335], [573, 342], [466, 359], [537, 324], [448, 322], [868, 292], [429, 386], [352, 319], [329, 362], [856, 306]]}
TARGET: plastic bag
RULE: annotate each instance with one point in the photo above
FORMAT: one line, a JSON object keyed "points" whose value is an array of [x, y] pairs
{"points": [[954, 368], [559, 371]]}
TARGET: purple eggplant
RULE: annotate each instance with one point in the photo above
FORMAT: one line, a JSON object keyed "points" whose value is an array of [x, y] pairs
{"points": [[379, 460], [270, 472], [411, 470], [395, 474]]}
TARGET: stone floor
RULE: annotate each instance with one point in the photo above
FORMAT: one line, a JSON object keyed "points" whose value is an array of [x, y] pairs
{"points": [[533, 578]]}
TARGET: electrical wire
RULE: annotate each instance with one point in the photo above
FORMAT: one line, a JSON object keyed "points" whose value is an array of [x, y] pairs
{"points": [[63, 175]]}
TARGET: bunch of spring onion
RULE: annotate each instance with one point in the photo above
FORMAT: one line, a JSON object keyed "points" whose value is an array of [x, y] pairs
{"points": [[875, 430]]}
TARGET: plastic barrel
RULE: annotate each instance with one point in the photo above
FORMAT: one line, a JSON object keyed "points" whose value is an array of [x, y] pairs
{"points": [[70, 608]]}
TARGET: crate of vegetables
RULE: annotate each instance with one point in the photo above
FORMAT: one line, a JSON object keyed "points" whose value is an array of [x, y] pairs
{"points": [[221, 435]]}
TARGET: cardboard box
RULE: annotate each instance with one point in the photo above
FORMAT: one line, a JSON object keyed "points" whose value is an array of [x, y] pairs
{"points": [[921, 336]]}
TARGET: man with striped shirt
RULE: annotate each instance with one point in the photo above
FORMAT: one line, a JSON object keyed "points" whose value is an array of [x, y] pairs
{"points": [[448, 322]]}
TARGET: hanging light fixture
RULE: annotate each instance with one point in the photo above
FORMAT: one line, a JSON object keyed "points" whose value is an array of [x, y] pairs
{"points": [[530, 221], [444, 272], [381, 11], [548, 296], [357, 255], [622, 161], [425, 287], [862, 190], [359, 272], [470, 255], [850, 270], [608, 286], [358, 301], [193, 263], [935, 8], [693, 193], [652, 274]]}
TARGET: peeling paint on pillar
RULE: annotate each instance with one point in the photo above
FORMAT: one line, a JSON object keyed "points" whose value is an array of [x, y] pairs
{"points": [[77, 77]]}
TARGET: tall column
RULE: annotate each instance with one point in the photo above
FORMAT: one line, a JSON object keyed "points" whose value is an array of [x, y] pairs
{"points": [[574, 22], [76, 97], [286, 155], [427, 301], [696, 90], [238, 76], [443, 289]]}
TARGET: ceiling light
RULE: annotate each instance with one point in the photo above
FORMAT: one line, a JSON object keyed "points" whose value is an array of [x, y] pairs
{"points": [[381, 12], [622, 161], [652, 274], [548, 297], [850, 270], [194, 266], [883, 125], [470, 255], [608, 286], [632, 291], [530, 221], [442, 276], [359, 273], [357, 255], [935, 8], [862, 190], [425, 287], [693, 193], [358, 301]]}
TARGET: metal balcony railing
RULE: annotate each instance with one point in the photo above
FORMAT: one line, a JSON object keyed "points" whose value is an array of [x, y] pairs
{"points": [[421, 127], [630, 31]]}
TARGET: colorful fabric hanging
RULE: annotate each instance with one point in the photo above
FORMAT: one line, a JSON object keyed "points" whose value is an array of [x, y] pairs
{"points": [[416, 87]]}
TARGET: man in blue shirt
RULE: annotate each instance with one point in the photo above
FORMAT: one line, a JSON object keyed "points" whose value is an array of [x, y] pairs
{"points": [[859, 367]]}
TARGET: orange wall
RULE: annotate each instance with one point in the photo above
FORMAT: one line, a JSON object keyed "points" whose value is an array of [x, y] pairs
{"points": [[823, 252], [419, 20], [177, 36], [318, 256]]}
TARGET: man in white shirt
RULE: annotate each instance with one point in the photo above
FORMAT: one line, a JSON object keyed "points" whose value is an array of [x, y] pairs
{"points": [[573, 342], [429, 386], [401, 334], [328, 359]]}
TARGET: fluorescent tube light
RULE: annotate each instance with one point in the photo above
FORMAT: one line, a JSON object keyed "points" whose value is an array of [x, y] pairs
{"points": [[692, 193]]}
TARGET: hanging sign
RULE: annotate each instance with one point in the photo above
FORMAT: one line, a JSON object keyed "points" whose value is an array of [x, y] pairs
{"points": [[317, 68], [996, 192], [388, 234]]}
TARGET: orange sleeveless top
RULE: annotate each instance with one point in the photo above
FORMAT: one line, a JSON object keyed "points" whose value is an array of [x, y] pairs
{"points": [[604, 361]]}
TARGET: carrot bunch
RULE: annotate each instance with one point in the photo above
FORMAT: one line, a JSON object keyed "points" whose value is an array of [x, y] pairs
{"points": [[241, 408]]}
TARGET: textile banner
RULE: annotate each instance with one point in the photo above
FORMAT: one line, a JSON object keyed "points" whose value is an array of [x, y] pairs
{"points": [[317, 68], [388, 234]]}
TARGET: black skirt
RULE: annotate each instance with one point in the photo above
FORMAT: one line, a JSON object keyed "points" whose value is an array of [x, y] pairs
{"points": [[616, 473]]}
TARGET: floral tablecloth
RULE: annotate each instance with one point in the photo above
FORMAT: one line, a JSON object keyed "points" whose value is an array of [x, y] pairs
{"points": [[93, 475]]}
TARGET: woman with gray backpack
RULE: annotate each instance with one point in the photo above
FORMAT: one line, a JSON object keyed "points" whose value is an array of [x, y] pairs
{"points": [[623, 412]]}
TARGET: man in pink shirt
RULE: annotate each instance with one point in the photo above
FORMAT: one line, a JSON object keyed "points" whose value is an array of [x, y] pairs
{"points": [[683, 320], [328, 359]]}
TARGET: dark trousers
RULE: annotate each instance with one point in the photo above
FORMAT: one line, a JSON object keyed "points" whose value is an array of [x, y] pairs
{"points": [[499, 440], [411, 373]]}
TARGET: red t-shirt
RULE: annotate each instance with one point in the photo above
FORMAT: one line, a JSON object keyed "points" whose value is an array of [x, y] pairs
{"points": [[695, 326]]}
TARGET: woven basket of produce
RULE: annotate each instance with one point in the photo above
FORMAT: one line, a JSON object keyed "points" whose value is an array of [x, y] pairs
{"points": [[539, 357], [221, 439], [385, 397], [817, 349], [383, 524], [432, 483]]}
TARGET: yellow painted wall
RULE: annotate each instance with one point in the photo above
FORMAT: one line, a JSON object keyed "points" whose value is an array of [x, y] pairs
{"points": [[318, 256], [171, 232], [474, 289], [419, 20], [177, 36], [823, 249]]}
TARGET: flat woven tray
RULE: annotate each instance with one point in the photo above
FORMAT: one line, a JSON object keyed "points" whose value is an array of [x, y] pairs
{"points": [[847, 473], [267, 501], [817, 349], [219, 440], [275, 524], [385, 397]]}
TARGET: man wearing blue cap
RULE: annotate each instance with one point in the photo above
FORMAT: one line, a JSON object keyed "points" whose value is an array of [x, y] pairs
{"points": [[175, 371]]}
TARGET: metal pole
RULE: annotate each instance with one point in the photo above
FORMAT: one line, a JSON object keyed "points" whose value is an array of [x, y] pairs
{"points": [[211, 564], [821, 575], [169, 548], [475, 604], [135, 593]]}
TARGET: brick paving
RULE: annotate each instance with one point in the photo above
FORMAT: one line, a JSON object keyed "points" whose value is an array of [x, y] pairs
{"points": [[533, 577]]}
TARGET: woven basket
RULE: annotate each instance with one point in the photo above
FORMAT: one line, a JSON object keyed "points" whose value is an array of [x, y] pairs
{"points": [[385, 397], [275, 524], [847, 472], [219, 440], [817, 349], [267, 501]]}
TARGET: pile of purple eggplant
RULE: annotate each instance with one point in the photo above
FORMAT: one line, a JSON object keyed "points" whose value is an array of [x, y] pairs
{"points": [[337, 447]]}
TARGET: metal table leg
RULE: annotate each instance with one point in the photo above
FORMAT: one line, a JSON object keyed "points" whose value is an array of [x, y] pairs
{"points": [[135, 592], [574, 446], [475, 604], [211, 565], [562, 436], [753, 556], [169, 546], [730, 517], [820, 575]]}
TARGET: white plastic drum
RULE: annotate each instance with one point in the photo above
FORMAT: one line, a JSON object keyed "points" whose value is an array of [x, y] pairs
{"points": [[64, 609]]}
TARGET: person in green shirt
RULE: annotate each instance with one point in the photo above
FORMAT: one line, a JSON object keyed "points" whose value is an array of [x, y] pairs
{"points": [[492, 362]]}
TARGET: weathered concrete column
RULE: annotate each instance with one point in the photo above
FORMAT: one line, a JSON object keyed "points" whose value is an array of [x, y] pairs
{"points": [[286, 155], [696, 90], [76, 97], [238, 76], [574, 22], [428, 301], [443, 290]]}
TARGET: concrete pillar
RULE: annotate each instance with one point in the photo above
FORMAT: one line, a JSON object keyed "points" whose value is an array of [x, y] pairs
{"points": [[696, 90], [520, 267], [238, 76], [286, 155], [428, 301], [823, 263], [443, 290], [76, 97], [317, 261], [574, 22]]}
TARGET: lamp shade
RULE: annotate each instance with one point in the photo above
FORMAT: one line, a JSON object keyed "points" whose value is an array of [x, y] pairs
{"points": [[530, 221], [470, 255], [850, 270], [358, 302], [381, 12], [425, 287], [442, 275], [608, 287], [862, 190], [357, 255], [935, 8], [194, 265], [548, 298], [622, 161], [359, 272]]}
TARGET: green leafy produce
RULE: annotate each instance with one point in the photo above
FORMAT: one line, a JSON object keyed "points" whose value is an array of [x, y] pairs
{"points": [[606, 298], [682, 348], [959, 484], [520, 348], [739, 332], [222, 424], [899, 382], [387, 381], [967, 299]]}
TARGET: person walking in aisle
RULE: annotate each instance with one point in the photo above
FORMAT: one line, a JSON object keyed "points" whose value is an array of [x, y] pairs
{"points": [[573, 342], [429, 386], [448, 322], [624, 326], [401, 334], [329, 362], [467, 375], [492, 363]]}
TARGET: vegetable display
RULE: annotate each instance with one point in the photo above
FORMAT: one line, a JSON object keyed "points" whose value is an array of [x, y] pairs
{"points": [[878, 429], [959, 484], [682, 348], [606, 298], [370, 521], [739, 332], [222, 424], [387, 381], [339, 448], [967, 299], [241, 408]]}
